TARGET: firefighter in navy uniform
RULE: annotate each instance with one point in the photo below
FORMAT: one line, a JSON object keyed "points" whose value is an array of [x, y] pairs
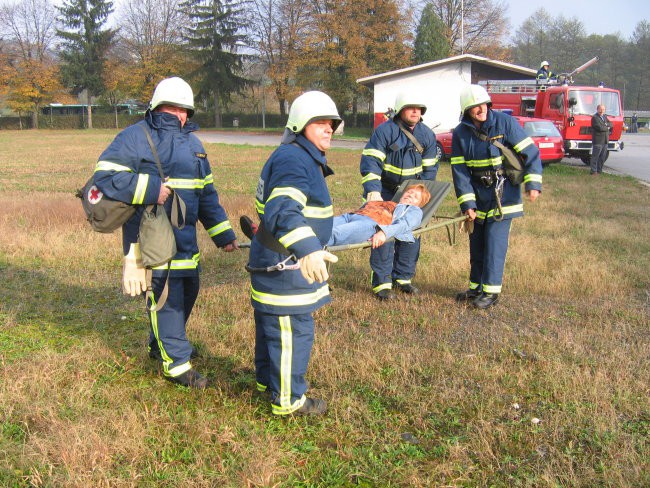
{"points": [[477, 171], [127, 171], [390, 157], [295, 209], [544, 72]]}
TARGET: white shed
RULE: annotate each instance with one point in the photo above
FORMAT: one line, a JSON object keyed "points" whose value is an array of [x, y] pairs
{"points": [[440, 83]]}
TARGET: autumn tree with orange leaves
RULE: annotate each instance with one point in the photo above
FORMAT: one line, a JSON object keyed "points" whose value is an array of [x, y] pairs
{"points": [[31, 76], [350, 40]]}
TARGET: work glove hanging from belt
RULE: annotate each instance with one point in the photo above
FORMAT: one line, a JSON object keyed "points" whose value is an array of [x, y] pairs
{"points": [[313, 267], [134, 279]]}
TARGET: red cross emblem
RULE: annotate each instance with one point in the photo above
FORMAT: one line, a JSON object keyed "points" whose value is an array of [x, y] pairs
{"points": [[94, 195]]}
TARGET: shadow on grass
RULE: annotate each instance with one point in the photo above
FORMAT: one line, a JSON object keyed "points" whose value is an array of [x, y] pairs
{"points": [[39, 312]]}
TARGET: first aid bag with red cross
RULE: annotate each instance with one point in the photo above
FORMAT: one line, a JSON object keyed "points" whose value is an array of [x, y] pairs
{"points": [[104, 214]]}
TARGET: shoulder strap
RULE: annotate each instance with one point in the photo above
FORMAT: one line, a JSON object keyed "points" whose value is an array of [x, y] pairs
{"points": [[410, 135], [178, 205]]}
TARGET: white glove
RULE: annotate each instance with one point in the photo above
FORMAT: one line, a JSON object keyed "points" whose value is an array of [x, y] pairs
{"points": [[134, 279], [313, 267], [373, 196]]}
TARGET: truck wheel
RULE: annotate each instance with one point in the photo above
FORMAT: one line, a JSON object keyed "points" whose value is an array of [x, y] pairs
{"points": [[586, 159], [440, 152]]}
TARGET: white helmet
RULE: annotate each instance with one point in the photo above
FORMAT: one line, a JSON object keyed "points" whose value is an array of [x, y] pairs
{"points": [[408, 99], [173, 91], [544, 63], [311, 106], [473, 95]]}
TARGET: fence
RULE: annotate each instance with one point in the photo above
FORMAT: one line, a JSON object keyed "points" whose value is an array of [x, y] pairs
{"points": [[203, 119]]}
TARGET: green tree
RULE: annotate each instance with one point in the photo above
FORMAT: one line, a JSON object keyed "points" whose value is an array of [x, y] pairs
{"points": [[85, 44], [532, 42], [473, 26], [215, 38], [638, 90], [431, 38]]}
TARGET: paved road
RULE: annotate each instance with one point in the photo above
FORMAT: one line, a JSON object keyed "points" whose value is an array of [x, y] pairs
{"points": [[264, 139], [634, 160]]}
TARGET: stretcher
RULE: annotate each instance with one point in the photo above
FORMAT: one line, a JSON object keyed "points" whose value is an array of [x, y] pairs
{"points": [[430, 220]]}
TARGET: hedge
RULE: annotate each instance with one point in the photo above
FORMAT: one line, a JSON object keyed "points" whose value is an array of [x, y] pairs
{"points": [[107, 121]]}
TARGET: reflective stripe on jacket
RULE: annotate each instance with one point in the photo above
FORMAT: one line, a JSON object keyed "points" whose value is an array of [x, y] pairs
{"points": [[294, 204], [127, 171], [469, 155], [390, 157]]}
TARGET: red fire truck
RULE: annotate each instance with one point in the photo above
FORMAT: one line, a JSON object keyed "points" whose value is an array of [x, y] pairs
{"points": [[568, 106]]}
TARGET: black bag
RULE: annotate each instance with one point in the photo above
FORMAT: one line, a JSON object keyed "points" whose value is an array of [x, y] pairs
{"points": [[513, 165], [104, 214]]}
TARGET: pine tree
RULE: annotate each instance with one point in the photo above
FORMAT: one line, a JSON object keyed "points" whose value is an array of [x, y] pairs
{"points": [[431, 39], [215, 38], [85, 45]]}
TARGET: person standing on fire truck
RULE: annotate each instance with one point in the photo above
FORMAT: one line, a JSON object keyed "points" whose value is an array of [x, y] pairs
{"points": [[485, 195], [544, 72], [402, 148]]}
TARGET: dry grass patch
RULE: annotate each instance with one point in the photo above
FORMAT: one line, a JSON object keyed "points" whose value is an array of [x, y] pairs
{"points": [[422, 391]]}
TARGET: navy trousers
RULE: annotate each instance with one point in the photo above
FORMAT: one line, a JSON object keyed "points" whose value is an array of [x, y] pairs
{"points": [[282, 350], [394, 261], [167, 333], [488, 246]]}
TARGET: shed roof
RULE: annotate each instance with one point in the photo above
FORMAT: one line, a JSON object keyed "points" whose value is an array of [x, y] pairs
{"points": [[370, 80]]}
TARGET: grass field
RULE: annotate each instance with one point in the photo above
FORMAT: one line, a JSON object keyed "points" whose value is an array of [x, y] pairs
{"points": [[550, 388]]}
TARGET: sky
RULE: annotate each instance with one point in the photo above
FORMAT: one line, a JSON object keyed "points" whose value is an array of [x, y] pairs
{"points": [[598, 16]]}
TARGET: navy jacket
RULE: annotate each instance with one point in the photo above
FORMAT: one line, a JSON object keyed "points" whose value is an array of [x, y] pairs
{"points": [[469, 154], [127, 171], [294, 204], [390, 157]]}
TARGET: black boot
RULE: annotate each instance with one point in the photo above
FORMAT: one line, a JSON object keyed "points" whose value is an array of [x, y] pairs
{"points": [[190, 378], [385, 294], [407, 288], [485, 300], [312, 406], [467, 295], [248, 227]]}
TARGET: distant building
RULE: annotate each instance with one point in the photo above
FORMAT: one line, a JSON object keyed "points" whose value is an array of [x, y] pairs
{"points": [[439, 83]]}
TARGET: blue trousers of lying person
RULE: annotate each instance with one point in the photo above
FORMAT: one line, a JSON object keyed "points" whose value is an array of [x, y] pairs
{"points": [[354, 228]]}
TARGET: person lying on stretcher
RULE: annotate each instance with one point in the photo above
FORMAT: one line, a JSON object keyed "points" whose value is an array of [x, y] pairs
{"points": [[378, 221], [375, 221]]}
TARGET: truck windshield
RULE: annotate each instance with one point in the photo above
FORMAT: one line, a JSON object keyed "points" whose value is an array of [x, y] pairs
{"points": [[588, 100]]}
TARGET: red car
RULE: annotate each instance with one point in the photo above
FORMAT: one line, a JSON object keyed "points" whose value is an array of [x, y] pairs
{"points": [[443, 141], [545, 136], [543, 133]]}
